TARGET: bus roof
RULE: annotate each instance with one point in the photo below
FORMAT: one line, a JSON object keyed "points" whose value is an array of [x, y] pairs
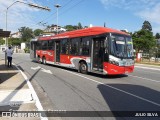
{"points": [[83, 32]]}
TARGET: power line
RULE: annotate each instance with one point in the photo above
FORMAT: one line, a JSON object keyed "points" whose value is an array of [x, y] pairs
{"points": [[72, 7], [55, 12], [68, 8], [44, 21], [63, 6]]}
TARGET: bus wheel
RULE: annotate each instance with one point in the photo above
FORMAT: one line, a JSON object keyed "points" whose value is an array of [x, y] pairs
{"points": [[83, 68], [44, 60], [38, 60]]}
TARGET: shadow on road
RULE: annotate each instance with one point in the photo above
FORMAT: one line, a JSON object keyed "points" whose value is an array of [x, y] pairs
{"points": [[126, 97]]}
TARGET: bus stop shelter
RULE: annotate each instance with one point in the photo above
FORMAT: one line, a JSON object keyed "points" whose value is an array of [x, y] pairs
{"points": [[5, 34]]}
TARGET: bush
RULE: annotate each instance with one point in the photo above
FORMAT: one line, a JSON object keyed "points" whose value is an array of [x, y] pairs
{"points": [[26, 50]]}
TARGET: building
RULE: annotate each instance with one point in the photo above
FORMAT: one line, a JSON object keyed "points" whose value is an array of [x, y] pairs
{"points": [[16, 35], [52, 30]]}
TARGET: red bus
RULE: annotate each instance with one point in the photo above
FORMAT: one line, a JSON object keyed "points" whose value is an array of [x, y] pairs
{"points": [[96, 49]]}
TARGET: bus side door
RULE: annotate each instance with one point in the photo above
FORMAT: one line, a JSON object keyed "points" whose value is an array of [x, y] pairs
{"points": [[98, 53]]}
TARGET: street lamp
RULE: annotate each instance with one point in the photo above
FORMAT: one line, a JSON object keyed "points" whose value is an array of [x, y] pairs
{"points": [[57, 6], [29, 4]]}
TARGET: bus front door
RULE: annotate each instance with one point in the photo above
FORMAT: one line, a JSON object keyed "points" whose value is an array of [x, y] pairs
{"points": [[98, 54], [57, 52]]}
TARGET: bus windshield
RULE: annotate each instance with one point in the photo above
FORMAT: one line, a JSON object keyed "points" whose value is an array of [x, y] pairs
{"points": [[121, 46]]}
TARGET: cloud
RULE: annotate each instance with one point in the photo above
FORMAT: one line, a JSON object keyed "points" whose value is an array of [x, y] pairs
{"points": [[145, 9], [129, 4], [19, 15], [151, 14]]}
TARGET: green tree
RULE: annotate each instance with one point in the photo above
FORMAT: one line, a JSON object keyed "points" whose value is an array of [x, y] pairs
{"points": [[14, 41], [79, 26], [147, 26], [157, 36], [73, 27], [2, 42], [143, 40], [37, 32], [26, 34], [70, 27]]}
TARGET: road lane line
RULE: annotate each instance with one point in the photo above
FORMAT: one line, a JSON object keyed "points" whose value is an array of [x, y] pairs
{"points": [[148, 68], [145, 78], [38, 103], [141, 98]]}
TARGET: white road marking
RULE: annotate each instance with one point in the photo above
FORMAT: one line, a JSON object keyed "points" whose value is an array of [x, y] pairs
{"points": [[42, 69], [141, 98], [46, 71], [35, 97], [145, 78], [35, 68], [148, 68]]}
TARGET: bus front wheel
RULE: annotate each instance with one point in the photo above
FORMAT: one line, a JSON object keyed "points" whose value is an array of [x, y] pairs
{"points": [[83, 68]]}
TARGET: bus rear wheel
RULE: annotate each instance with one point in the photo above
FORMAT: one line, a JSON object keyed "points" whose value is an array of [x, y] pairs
{"points": [[44, 60], [83, 68], [38, 59]]}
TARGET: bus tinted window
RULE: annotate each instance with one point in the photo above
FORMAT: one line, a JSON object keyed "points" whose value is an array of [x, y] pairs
{"points": [[85, 46], [51, 45], [44, 45], [39, 45], [32, 45], [64, 46], [74, 47]]}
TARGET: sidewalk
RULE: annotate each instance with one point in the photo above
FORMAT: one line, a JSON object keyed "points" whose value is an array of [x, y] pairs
{"points": [[14, 92], [148, 64]]}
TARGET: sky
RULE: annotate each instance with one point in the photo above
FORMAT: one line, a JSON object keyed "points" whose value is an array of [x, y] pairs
{"points": [[117, 14]]}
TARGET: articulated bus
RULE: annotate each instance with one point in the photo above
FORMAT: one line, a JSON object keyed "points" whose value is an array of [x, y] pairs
{"points": [[97, 49]]}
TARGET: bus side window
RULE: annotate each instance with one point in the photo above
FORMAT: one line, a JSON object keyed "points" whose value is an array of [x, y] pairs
{"points": [[64, 46], [44, 45], [85, 46], [74, 46], [32, 45], [51, 45], [39, 45]]}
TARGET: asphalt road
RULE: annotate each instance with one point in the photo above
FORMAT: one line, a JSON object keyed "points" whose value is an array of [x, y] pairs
{"points": [[73, 91]]}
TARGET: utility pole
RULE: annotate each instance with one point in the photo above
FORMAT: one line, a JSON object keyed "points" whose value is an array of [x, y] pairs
{"points": [[57, 6]]}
